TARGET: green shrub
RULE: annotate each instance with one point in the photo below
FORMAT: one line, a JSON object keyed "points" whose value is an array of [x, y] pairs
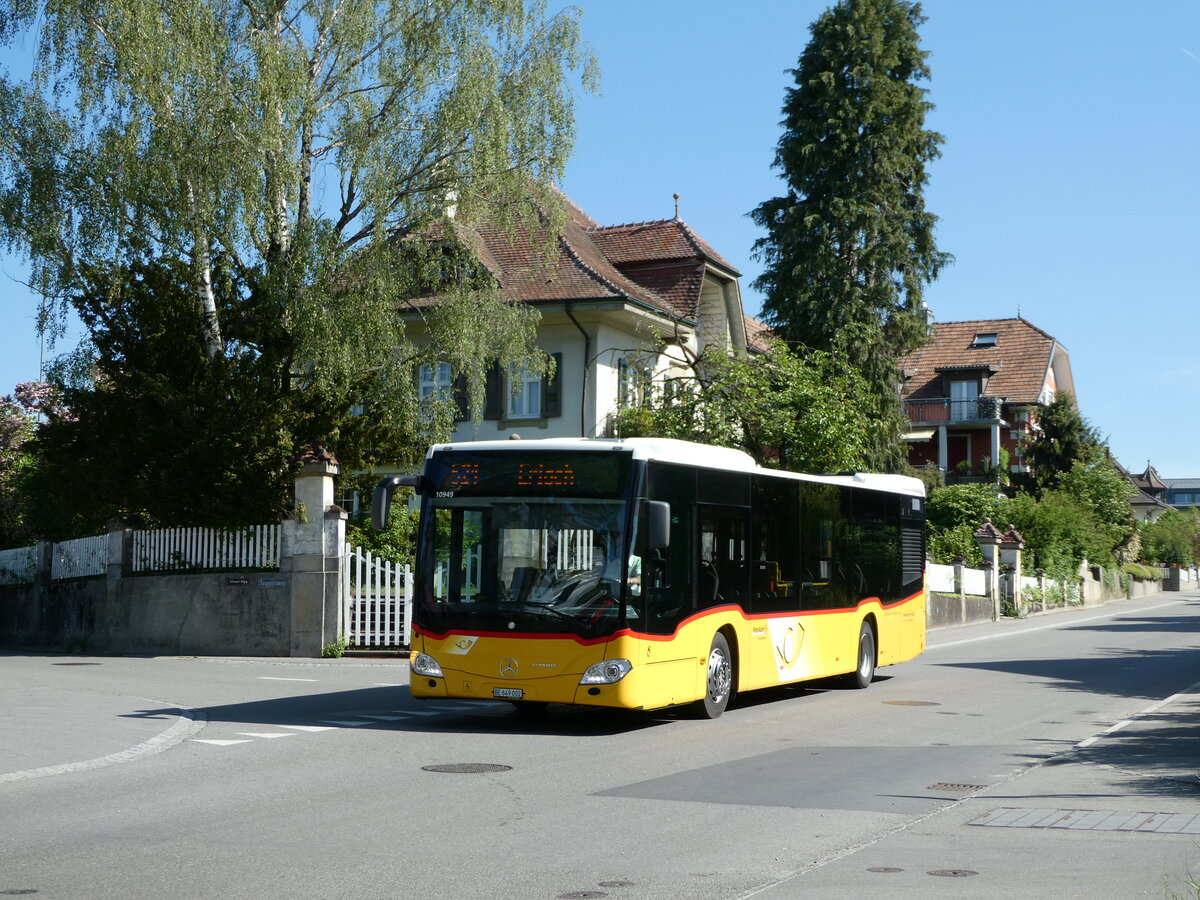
{"points": [[1145, 573]]}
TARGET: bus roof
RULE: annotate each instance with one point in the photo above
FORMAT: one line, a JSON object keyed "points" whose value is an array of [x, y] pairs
{"points": [[689, 453]]}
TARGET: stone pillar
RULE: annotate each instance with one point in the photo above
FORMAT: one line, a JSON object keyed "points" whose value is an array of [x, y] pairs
{"points": [[959, 564], [120, 556], [1011, 545], [988, 537], [45, 563], [311, 556]]}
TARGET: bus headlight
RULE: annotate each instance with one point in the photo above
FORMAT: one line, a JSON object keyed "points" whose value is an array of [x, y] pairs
{"points": [[424, 664], [608, 672]]}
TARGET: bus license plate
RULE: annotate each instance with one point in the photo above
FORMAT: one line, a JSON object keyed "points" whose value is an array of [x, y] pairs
{"points": [[508, 693]]}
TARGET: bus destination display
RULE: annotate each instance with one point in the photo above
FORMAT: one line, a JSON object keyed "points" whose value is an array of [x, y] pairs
{"points": [[501, 473]]}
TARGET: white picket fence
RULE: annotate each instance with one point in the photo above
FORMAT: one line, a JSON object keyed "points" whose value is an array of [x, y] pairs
{"points": [[169, 549], [375, 611], [79, 558], [18, 566]]}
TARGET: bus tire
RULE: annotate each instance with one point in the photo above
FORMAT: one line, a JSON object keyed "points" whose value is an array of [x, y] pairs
{"points": [[864, 671], [719, 680]]}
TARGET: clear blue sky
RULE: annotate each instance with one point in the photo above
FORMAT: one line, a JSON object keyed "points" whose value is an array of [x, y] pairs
{"points": [[1068, 190]]}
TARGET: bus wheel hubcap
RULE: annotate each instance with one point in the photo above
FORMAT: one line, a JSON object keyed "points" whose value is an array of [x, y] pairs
{"points": [[719, 676]]}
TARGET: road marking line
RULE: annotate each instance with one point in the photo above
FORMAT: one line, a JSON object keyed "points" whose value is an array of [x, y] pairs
{"points": [[310, 728], [1057, 624], [190, 721], [273, 678], [217, 743], [268, 734]]}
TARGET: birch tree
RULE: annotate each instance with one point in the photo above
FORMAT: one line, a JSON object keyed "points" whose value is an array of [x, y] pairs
{"points": [[298, 143]]}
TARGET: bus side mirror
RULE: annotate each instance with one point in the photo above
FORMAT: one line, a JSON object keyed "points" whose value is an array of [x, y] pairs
{"points": [[658, 525], [381, 501]]}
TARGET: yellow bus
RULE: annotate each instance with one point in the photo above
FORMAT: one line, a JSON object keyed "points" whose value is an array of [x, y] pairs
{"points": [[647, 573]]}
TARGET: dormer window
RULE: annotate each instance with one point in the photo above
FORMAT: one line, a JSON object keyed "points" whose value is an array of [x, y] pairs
{"points": [[985, 339]]}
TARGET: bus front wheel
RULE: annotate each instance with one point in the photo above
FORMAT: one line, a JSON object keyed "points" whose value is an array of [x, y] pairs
{"points": [[864, 673], [718, 690]]}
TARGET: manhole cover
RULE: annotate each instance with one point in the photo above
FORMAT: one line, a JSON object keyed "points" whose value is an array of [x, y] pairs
{"points": [[467, 768], [911, 703], [953, 786], [952, 873]]}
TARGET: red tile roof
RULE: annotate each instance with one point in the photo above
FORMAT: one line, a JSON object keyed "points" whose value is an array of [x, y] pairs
{"points": [[660, 264], [1019, 359]]}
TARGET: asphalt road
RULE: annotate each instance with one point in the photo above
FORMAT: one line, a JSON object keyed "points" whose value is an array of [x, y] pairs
{"points": [[1053, 757]]}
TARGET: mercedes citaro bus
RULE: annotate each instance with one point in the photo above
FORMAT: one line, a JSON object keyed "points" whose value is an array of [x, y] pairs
{"points": [[645, 573]]}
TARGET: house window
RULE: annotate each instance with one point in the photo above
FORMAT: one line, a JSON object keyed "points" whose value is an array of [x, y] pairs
{"points": [[434, 379], [963, 401], [525, 393], [631, 388], [985, 339], [349, 500]]}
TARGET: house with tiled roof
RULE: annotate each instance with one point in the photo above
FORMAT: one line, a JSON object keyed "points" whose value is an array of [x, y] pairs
{"points": [[974, 390], [1148, 493], [620, 306]]}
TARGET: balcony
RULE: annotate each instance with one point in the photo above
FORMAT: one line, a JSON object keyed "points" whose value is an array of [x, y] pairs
{"points": [[945, 411]]}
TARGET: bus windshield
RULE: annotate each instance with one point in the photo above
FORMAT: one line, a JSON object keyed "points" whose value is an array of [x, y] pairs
{"points": [[527, 564], [514, 543]]}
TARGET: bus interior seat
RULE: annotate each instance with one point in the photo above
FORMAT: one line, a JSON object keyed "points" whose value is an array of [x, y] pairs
{"points": [[523, 578], [707, 589]]}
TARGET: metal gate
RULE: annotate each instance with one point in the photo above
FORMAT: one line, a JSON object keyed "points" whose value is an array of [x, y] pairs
{"points": [[375, 611]]}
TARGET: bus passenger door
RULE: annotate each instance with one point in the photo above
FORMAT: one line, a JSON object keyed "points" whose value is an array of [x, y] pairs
{"points": [[724, 575]]}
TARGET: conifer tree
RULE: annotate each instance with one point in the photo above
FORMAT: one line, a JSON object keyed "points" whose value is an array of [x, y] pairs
{"points": [[850, 246]]}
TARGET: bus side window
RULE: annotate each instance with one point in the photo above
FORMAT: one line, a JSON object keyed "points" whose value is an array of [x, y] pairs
{"points": [[822, 586], [774, 554]]}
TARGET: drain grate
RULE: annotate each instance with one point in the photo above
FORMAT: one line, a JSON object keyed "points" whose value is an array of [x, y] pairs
{"points": [[952, 786], [910, 703], [1091, 820], [466, 768]]}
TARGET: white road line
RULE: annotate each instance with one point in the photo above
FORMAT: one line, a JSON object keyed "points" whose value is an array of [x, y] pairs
{"points": [[1153, 707], [268, 734], [273, 678], [1057, 624], [189, 722], [216, 742], [310, 728]]}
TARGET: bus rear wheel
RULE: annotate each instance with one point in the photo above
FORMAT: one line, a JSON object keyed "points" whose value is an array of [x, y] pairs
{"points": [[718, 690], [864, 673]]}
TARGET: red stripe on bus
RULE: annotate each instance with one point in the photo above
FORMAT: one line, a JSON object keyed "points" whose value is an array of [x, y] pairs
{"points": [[629, 632]]}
